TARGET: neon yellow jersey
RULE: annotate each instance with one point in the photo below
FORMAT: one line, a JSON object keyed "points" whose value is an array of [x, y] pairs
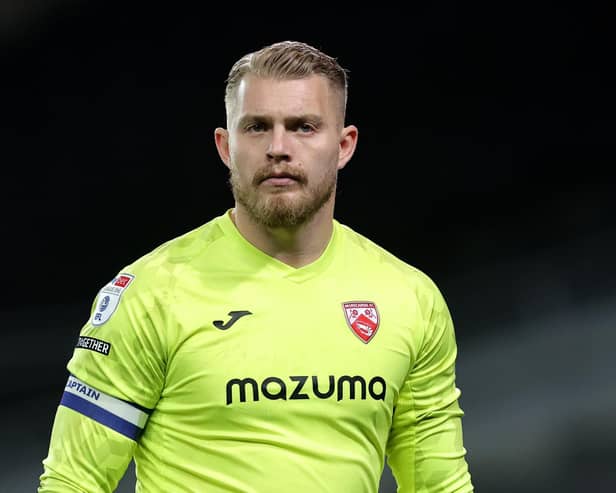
{"points": [[225, 370]]}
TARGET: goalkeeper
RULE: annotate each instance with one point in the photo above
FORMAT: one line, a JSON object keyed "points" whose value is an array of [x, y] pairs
{"points": [[272, 349]]}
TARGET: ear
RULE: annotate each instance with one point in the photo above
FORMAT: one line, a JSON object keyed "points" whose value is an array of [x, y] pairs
{"points": [[348, 142], [221, 137]]}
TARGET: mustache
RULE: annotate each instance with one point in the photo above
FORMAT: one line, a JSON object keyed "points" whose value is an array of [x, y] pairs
{"points": [[279, 172]]}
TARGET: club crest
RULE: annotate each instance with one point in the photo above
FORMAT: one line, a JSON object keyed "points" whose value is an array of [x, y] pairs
{"points": [[362, 317]]}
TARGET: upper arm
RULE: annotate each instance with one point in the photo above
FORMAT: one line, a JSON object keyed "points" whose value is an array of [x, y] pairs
{"points": [[425, 448], [84, 455], [117, 373]]}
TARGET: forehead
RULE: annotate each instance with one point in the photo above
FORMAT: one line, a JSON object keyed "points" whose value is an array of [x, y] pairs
{"points": [[268, 96]]}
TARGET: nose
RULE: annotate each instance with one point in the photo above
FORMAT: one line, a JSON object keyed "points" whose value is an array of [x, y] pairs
{"points": [[278, 149]]}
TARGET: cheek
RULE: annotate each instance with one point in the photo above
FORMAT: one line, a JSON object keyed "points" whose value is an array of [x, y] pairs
{"points": [[327, 161], [242, 152], [242, 164]]}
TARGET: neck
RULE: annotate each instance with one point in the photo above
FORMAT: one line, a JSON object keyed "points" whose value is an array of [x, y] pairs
{"points": [[297, 246]]}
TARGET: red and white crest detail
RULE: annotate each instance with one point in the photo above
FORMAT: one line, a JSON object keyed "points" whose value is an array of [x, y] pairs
{"points": [[362, 317]]}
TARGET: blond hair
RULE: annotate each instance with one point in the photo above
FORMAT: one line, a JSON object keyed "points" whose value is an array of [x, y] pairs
{"points": [[287, 60]]}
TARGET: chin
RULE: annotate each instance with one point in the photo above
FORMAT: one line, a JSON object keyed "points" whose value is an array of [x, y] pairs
{"points": [[281, 212]]}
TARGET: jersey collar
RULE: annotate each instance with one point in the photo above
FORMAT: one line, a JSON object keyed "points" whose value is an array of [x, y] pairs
{"points": [[259, 260]]}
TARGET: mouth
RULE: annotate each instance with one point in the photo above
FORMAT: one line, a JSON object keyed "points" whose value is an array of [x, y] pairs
{"points": [[280, 179]]}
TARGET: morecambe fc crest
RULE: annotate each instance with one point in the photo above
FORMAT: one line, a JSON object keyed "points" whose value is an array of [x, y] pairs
{"points": [[362, 317]]}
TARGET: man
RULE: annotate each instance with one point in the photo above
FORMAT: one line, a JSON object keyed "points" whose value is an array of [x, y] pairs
{"points": [[271, 349]]}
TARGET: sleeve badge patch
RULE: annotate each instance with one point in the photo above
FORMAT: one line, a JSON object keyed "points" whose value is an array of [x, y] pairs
{"points": [[109, 298]]}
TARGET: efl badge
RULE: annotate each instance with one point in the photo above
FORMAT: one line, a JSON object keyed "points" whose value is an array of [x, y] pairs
{"points": [[362, 317], [109, 297]]}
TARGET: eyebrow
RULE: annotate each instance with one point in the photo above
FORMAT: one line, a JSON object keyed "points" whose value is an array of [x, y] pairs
{"points": [[289, 121]]}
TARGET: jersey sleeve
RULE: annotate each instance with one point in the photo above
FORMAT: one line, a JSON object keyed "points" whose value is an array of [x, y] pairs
{"points": [[84, 455], [425, 448], [121, 349], [116, 375]]}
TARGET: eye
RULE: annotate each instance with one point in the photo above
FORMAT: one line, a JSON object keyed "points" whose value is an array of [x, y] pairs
{"points": [[306, 128], [255, 127]]}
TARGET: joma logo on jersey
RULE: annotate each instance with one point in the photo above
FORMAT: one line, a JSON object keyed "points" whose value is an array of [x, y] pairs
{"points": [[274, 388]]}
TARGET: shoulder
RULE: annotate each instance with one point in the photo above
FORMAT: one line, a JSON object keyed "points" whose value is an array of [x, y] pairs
{"points": [[373, 254], [381, 263], [172, 259]]}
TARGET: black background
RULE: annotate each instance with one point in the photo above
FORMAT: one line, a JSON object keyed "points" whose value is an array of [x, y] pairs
{"points": [[483, 130]]}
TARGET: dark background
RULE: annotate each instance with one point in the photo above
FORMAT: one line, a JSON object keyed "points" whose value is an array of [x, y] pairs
{"points": [[485, 159]]}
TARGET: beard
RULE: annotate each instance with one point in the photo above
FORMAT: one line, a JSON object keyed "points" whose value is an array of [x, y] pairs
{"points": [[278, 209]]}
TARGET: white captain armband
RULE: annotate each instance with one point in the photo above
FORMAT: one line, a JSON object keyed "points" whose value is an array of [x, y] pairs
{"points": [[124, 417]]}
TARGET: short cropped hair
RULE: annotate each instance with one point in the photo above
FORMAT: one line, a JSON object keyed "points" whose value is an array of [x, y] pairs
{"points": [[287, 60]]}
